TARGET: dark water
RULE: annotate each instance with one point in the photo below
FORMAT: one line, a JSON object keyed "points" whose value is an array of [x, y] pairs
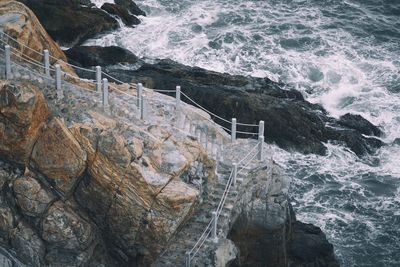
{"points": [[343, 54]]}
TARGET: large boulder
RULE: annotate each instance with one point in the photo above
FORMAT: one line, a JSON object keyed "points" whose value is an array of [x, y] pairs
{"points": [[69, 22], [122, 13], [21, 24], [59, 157], [23, 113], [131, 7]]}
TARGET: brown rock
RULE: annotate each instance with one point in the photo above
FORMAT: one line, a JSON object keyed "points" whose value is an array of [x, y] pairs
{"points": [[31, 198], [23, 112], [59, 156], [64, 228]]}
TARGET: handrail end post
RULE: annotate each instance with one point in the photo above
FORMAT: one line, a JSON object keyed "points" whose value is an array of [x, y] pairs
{"points": [[98, 79], [214, 227], [234, 178], [260, 146], [187, 259], [8, 61], [178, 97], [233, 130]]}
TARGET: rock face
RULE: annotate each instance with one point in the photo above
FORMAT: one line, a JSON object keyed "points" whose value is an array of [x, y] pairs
{"points": [[267, 233], [23, 113], [121, 12], [88, 56], [290, 121], [69, 22]]}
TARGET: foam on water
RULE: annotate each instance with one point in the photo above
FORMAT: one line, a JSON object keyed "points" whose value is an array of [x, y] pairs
{"points": [[343, 54]]}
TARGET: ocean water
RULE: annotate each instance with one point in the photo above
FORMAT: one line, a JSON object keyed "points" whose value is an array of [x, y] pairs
{"points": [[343, 54]]}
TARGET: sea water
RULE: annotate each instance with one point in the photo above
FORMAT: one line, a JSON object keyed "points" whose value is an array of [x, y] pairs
{"points": [[342, 54]]}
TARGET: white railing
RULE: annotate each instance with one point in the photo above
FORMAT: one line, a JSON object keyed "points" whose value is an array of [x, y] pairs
{"points": [[102, 86]]}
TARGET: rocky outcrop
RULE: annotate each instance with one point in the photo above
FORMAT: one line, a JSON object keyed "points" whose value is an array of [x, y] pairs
{"points": [[290, 121], [69, 22], [131, 7], [122, 13], [87, 56]]}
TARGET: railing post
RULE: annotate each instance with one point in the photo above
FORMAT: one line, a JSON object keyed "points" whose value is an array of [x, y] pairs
{"points": [[260, 146], [233, 130], [139, 89], [214, 227], [178, 97], [105, 94], [187, 259], [143, 108], [98, 79], [58, 82], [8, 62], [46, 62], [261, 128], [234, 174]]}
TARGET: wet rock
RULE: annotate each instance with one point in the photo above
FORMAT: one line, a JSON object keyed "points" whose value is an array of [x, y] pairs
{"points": [[63, 228], [28, 245], [30, 197], [88, 56], [122, 13], [59, 156], [359, 124], [23, 112], [131, 7], [69, 22]]}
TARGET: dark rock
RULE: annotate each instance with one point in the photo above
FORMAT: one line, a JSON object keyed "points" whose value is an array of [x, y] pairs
{"points": [[88, 56], [290, 121], [131, 7], [121, 12], [309, 247], [69, 22]]}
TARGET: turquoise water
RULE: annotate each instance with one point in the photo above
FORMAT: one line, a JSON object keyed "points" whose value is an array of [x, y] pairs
{"points": [[344, 55]]}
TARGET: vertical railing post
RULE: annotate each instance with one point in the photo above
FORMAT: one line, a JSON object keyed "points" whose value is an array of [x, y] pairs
{"points": [[143, 108], [98, 79], [178, 97], [187, 259], [139, 89], [8, 62], [214, 227], [105, 94], [58, 82], [260, 146], [46, 62], [234, 174], [233, 130], [261, 128]]}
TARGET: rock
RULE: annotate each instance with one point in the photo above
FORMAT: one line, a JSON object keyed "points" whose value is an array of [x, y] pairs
{"points": [[23, 112], [290, 121], [131, 7], [20, 23], [30, 197], [225, 253], [88, 56], [59, 156], [64, 228], [6, 221], [359, 124], [70, 23], [28, 245], [122, 13], [309, 247]]}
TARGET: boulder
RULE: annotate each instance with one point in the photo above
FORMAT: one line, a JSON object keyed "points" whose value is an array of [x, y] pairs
{"points": [[21, 24], [122, 13], [23, 113], [69, 22], [131, 7], [31, 197], [87, 56], [63, 227], [59, 157]]}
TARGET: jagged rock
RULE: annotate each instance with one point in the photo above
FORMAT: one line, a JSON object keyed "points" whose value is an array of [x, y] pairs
{"points": [[88, 56], [28, 245], [122, 13], [23, 112], [360, 124], [21, 24], [63, 228], [6, 221], [131, 7], [59, 156], [69, 22], [31, 198], [225, 253]]}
